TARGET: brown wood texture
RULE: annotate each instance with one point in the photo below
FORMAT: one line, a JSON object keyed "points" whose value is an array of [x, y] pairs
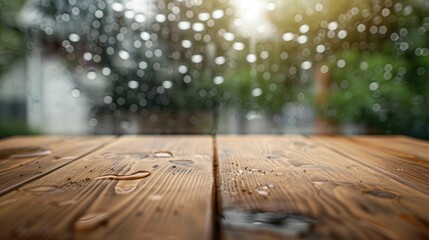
{"points": [[269, 187], [133, 188], [409, 170], [409, 147], [287, 187], [15, 172]]}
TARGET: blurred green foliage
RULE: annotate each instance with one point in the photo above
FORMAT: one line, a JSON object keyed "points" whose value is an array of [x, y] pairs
{"points": [[12, 49], [12, 45], [371, 90], [386, 89], [16, 127]]}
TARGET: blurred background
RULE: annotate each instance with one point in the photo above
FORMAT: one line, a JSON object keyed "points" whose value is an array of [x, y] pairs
{"points": [[214, 66]]}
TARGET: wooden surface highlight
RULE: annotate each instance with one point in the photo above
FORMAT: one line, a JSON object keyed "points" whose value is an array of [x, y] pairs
{"points": [[409, 170], [300, 184], [175, 200], [411, 148]]}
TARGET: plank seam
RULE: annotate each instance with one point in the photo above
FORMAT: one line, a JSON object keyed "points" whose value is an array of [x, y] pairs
{"points": [[216, 185]]}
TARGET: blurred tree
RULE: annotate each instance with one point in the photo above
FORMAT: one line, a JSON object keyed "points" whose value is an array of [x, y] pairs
{"points": [[12, 49], [11, 38], [385, 87]]}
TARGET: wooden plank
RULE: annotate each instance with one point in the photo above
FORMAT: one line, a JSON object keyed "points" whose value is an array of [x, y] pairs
{"points": [[277, 187], [415, 150], [20, 141], [168, 194], [404, 168], [24, 159]]}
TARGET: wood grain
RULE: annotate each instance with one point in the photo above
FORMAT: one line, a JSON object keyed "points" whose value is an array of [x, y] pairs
{"points": [[166, 196], [16, 172], [413, 149], [287, 187], [407, 169]]}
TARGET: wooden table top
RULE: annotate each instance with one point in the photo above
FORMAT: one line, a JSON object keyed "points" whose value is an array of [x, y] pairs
{"points": [[203, 187]]}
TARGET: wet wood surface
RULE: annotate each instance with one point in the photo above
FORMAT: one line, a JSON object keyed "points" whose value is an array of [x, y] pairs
{"points": [[409, 147], [227, 187], [132, 188], [393, 162], [24, 159], [275, 187]]}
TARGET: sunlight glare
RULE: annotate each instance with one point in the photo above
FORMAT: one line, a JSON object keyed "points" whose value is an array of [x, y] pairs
{"points": [[252, 15]]}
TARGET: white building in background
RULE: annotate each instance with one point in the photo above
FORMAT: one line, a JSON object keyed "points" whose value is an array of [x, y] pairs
{"points": [[54, 104], [57, 101], [42, 90]]}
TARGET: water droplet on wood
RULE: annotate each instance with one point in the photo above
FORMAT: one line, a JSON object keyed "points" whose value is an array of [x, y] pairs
{"points": [[136, 175], [140, 156], [45, 189], [24, 152], [287, 225], [91, 221], [382, 194], [273, 157], [163, 154], [318, 181], [262, 192], [297, 163], [182, 162], [126, 187], [119, 156]]}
